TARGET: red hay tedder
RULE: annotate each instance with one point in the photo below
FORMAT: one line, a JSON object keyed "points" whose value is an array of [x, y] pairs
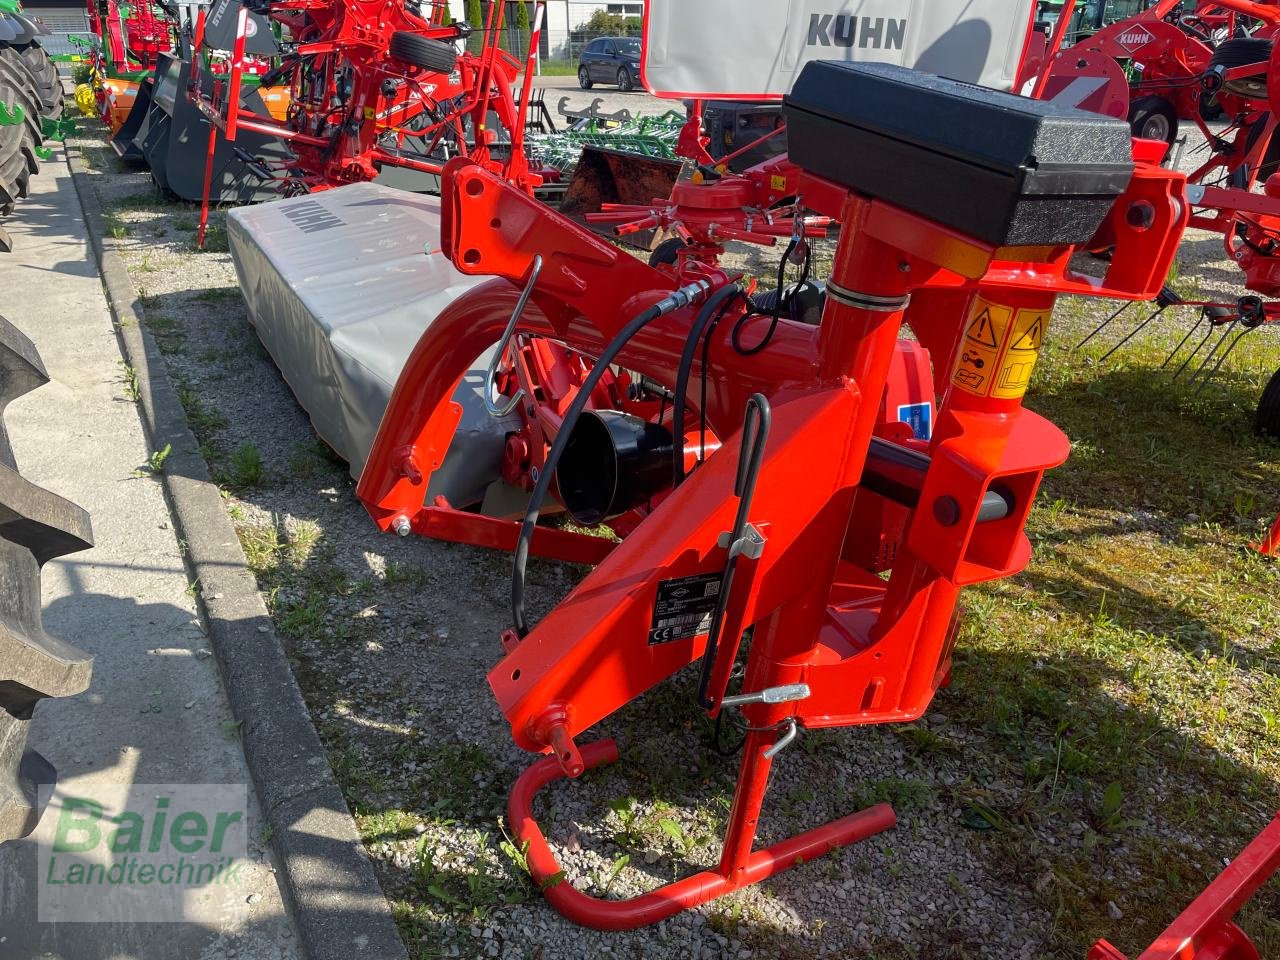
{"points": [[376, 84], [1177, 64]]}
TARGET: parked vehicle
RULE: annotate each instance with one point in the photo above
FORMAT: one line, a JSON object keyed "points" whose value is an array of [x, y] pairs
{"points": [[610, 60]]}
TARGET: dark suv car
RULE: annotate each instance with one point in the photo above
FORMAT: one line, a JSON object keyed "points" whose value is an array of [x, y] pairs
{"points": [[610, 60]]}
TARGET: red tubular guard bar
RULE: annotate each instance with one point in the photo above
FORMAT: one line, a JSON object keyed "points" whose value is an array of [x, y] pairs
{"points": [[734, 871]]}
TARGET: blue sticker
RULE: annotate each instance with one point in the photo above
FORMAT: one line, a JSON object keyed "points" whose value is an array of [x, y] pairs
{"points": [[919, 417]]}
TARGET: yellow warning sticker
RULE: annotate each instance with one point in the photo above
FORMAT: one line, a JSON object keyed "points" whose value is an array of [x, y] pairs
{"points": [[979, 351], [777, 183], [999, 350], [1025, 338], [368, 113]]}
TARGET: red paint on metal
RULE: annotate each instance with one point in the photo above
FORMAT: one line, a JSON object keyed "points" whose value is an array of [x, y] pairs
{"points": [[738, 867]]}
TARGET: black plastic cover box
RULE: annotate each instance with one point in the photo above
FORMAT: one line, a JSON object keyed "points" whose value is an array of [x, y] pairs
{"points": [[1003, 169]]}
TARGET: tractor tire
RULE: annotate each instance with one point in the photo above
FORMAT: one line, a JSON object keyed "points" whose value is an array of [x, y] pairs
{"points": [[44, 76], [433, 55], [21, 89], [34, 666], [667, 252], [18, 142], [1268, 419], [584, 79], [1154, 118], [1241, 52], [625, 81]]}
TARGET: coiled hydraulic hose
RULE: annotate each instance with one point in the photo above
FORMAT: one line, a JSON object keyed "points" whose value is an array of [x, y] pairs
{"points": [[677, 299]]}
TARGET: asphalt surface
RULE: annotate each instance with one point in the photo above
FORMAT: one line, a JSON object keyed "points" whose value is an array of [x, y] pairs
{"points": [[610, 98], [155, 712]]}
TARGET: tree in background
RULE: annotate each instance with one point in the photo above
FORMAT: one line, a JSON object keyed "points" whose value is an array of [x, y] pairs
{"points": [[475, 17], [604, 24], [446, 18], [523, 28]]}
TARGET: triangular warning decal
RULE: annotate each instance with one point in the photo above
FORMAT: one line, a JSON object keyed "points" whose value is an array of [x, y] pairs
{"points": [[1032, 337], [982, 330]]}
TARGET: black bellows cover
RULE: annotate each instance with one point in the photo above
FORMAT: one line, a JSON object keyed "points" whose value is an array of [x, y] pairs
{"points": [[1004, 169]]}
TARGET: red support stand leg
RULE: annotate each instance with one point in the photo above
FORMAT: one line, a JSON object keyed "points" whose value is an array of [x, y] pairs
{"points": [[208, 174], [739, 865]]}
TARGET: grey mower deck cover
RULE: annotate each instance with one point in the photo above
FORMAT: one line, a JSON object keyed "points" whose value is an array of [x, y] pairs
{"points": [[340, 290]]}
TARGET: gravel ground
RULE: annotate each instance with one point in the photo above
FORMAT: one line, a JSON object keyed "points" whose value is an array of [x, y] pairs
{"points": [[391, 639]]}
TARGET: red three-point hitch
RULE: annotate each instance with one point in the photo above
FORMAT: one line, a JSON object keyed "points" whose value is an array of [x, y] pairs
{"points": [[965, 236]]}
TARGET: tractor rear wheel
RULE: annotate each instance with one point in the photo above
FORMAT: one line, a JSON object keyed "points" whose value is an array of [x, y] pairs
{"points": [[434, 55], [1268, 421], [1241, 52], [44, 76], [1153, 118]]}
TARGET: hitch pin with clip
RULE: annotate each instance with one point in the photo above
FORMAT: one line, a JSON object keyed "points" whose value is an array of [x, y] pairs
{"points": [[500, 351], [783, 694], [799, 243]]}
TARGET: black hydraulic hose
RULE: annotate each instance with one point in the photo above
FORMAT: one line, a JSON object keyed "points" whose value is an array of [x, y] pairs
{"points": [[674, 301], [774, 312], [755, 432], [721, 296]]}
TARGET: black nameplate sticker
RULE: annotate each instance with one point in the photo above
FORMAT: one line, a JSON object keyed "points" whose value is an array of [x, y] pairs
{"points": [[684, 607]]}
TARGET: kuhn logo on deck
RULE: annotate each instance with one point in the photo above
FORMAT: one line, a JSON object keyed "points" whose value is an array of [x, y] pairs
{"points": [[1133, 38], [309, 217], [846, 30]]}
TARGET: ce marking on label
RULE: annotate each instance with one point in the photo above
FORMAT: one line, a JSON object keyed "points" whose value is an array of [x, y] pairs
{"points": [[664, 634]]}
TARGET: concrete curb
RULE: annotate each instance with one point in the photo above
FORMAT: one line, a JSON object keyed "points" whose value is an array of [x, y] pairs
{"points": [[334, 894]]}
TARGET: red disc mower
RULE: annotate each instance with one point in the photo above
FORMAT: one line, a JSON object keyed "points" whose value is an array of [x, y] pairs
{"points": [[775, 500]]}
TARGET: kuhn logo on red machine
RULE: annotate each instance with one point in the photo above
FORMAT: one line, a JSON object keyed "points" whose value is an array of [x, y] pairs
{"points": [[844, 30], [1135, 37]]}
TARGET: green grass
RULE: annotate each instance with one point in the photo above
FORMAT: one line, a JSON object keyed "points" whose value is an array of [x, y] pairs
{"points": [[144, 200], [117, 229], [1131, 674], [129, 380], [168, 331], [206, 423], [556, 68], [244, 469], [219, 295], [215, 239]]}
